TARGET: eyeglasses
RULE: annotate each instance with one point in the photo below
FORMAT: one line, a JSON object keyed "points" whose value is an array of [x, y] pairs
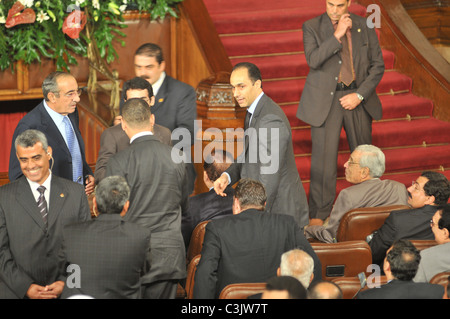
{"points": [[352, 163], [416, 186], [72, 94]]}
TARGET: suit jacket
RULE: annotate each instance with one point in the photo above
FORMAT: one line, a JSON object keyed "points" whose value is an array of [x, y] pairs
{"points": [[176, 107], [205, 206], [371, 193], [114, 140], [111, 254], [397, 289], [402, 224], [247, 247], [433, 261], [272, 162], [157, 179], [29, 254], [322, 51], [39, 119]]}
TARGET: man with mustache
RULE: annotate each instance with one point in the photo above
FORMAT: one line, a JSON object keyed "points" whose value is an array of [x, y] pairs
{"points": [[426, 194]]}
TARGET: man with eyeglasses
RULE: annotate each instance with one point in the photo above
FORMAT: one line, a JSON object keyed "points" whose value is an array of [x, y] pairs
{"points": [[57, 117], [426, 194], [114, 139], [363, 169], [436, 259]]}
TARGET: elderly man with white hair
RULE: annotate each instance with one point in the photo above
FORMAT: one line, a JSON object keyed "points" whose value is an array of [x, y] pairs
{"points": [[363, 169]]}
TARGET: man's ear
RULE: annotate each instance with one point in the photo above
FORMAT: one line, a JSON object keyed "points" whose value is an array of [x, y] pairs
{"points": [[49, 152], [152, 100], [236, 206], [430, 200]]}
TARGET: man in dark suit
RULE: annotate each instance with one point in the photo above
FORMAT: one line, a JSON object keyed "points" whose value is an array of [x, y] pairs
{"points": [[268, 154], [346, 65], [33, 210], [175, 102], [247, 246], [110, 252], [57, 117], [400, 266], [209, 205], [156, 174], [426, 194], [114, 139]]}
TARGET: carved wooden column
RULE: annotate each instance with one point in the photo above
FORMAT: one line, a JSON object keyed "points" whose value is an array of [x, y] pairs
{"points": [[220, 122]]}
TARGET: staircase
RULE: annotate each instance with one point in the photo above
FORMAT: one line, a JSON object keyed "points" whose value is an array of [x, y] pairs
{"points": [[268, 34]]}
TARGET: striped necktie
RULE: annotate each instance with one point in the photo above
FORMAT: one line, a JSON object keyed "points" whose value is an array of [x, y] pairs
{"points": [[42, 204], [74, 148]]}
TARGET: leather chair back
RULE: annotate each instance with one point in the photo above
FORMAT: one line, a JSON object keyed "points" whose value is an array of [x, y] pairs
{"points": [[358, 223], [242, 290], [196, 243], [343, 259]]}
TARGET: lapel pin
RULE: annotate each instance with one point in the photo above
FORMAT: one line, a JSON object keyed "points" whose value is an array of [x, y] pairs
{"points": [[61, 195], [161, 100], [359, 30]]}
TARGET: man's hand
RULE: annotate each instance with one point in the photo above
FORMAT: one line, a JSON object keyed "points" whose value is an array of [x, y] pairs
{"points": [[350, 101], [90, 185], [117, 120], [220, 184], [345, 22], [52, 291]]}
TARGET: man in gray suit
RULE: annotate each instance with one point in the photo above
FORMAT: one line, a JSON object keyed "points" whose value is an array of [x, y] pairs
{"points": [[114, 139], [156, 174], [363, 169], [268, 154], [110, 252], [33, 210], [346, 65]]}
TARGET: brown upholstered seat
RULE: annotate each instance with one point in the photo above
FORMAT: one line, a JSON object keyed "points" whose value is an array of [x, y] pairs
{"points": [[351, 285], [443, 280], [423, 244], [358, 223], [190, 278], [343, 259], [242, 290], [196, 243]]}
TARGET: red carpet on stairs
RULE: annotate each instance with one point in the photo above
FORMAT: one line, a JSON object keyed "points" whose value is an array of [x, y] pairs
{"points": [[268, 33]]}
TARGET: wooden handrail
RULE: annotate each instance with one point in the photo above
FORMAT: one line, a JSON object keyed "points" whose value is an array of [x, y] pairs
{"points": [[415, 56], [206, 35]]}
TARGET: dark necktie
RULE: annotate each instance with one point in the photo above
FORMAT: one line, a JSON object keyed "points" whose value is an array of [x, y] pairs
{"points": [[346, 69], [74, 149], [347, 74], [248, 115], [42, 204]]}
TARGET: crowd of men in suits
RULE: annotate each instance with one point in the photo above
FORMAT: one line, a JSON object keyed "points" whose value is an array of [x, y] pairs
{"points": [[135, 246]]}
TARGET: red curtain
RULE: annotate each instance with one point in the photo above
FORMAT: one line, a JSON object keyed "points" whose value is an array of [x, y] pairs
{"points": [[8, 123]]}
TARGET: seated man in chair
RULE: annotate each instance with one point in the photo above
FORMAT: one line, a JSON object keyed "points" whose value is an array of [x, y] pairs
{"points": [[363, 169]]}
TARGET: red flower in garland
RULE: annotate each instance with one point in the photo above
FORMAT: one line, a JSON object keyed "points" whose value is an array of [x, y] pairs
{"points": [[15, 16], [74, 23]]}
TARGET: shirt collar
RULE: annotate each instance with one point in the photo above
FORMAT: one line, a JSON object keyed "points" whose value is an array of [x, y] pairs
{"points": [[46, 183], [252, 107], [135, 136], [56, 117], [157, 85]]}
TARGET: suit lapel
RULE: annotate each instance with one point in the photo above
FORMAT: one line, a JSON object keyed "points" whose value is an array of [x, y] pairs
{"points": [[58, 195], [161, 97], [26, 199], [356, 38], [51, 129]]}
